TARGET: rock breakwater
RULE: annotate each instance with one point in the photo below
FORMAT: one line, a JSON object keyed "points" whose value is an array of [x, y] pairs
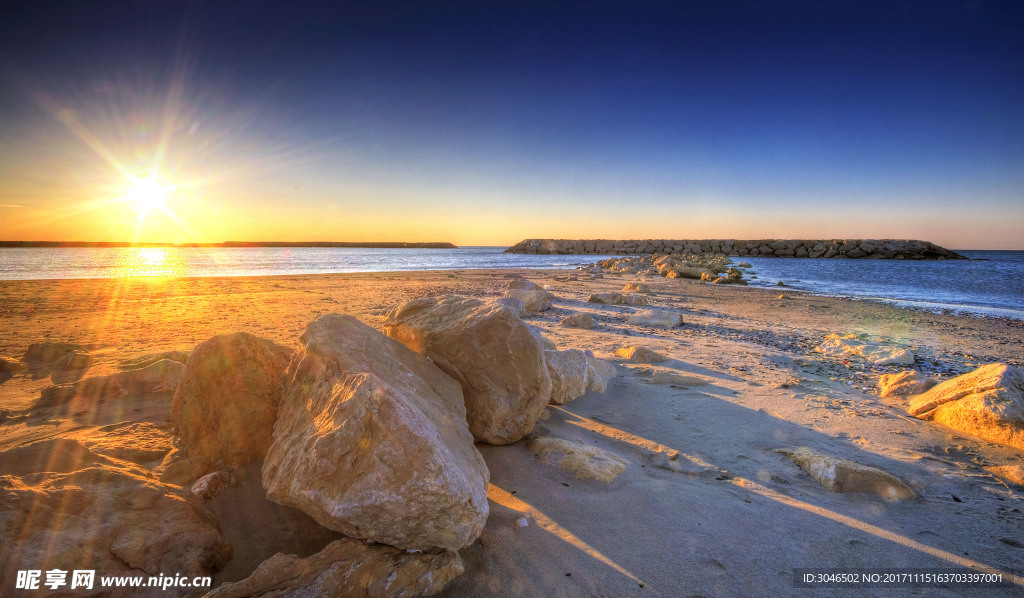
{"points": [[819, 248]]}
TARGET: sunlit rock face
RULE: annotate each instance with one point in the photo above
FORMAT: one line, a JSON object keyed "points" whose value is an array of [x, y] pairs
{"points": [[491, 352], [372, 442], [987, 403]]}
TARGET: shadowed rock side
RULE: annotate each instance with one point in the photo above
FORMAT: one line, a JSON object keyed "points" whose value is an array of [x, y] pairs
{"points": [[348, 569], [226, 403], [489, 350], [827, 248], [371, 441]]}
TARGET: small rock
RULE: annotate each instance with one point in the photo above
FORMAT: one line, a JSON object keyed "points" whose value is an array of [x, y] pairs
{"points": [[585, 321], [658, 376], [212, 484], [525, 285], [514, 305], [184, 471], [8, 364], [656, 318], [533, 300], [581, 460], [574, 372], [74, 360], [907, 382], [617, 299], [840, 475], [636, 287], [640, 355], [48, 353]]}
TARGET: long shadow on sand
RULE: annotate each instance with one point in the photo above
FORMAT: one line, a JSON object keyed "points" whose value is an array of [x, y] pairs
{"points": [[738, 519]]}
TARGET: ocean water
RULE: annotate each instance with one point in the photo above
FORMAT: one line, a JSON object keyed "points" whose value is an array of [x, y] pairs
{"points": [[120, 262], [991, 283]]}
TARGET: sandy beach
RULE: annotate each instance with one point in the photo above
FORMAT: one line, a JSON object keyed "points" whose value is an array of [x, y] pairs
{"points": [[705, 506]]}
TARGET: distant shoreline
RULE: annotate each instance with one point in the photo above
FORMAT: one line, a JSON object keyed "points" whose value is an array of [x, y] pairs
{"points": [[372, 245]]}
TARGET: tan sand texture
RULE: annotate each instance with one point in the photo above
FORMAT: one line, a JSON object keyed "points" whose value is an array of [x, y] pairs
{"points": [[701, 502]]}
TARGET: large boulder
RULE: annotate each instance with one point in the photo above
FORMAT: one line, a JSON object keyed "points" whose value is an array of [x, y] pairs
{"points": [[490, 351], [987, 403], [574, 372], [372, 441], [111, 520], [348, 568], [226, 403]]}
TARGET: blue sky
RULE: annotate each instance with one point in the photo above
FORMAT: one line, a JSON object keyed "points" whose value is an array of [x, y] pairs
{"points": [[485, 123]]}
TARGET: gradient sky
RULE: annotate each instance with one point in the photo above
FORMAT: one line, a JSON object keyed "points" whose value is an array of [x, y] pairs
{"points": [[483, 123]]}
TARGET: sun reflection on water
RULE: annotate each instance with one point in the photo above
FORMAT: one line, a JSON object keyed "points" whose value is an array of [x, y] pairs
{"points": [[133, 262]]}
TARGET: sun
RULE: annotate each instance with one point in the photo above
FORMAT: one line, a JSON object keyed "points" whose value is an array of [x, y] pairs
{"points": [[147, 194]]}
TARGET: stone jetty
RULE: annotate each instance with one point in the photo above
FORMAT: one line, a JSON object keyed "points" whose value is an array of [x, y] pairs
{"points": [[821, 248]]}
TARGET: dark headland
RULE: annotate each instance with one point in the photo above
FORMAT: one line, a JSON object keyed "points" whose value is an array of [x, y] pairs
{"points": [[373, 245], [821, 248]]}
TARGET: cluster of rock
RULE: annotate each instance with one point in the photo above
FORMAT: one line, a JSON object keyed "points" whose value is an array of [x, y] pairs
{"points": [[705, 267], [371, 434], [822, 248]]}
